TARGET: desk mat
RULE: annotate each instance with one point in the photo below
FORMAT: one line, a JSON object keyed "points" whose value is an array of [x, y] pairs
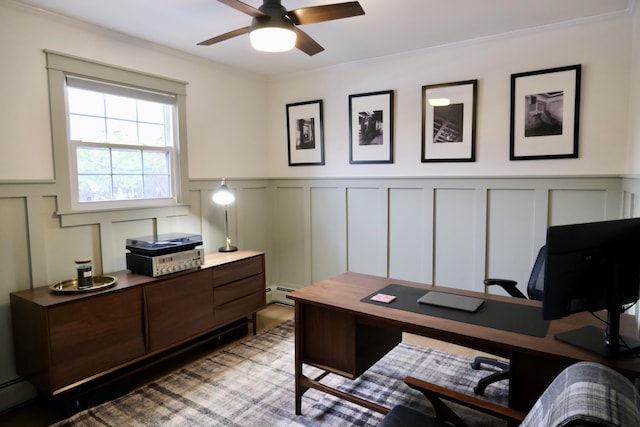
{"points": [[521, 319]]}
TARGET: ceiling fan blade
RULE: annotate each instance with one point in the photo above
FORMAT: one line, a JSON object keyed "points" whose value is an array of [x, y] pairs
{"points": [[225, 36], [328, 12], [305, 43], [244, 8]]}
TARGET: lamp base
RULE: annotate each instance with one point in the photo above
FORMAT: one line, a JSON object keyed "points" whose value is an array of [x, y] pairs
{"points": [[227, 249]]}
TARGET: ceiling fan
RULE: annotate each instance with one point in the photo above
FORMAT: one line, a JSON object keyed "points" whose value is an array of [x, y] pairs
{"points": [[273, 17]]}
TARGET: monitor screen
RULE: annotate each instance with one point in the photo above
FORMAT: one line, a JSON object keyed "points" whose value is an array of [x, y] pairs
{"points": [[591, 267]]}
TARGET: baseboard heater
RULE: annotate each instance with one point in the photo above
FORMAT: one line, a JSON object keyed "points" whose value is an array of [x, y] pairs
{"points": [[281, 295]]}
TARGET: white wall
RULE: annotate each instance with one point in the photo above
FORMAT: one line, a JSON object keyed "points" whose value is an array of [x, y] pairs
{"points": [[220, 101], [602, 47], [634, 102]]}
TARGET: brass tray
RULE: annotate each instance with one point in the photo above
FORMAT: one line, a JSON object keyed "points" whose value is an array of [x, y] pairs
{"points": [[71, 286]]}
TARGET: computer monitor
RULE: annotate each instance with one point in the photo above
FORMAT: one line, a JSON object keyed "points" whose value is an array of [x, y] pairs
{"points": [[590, 267]]}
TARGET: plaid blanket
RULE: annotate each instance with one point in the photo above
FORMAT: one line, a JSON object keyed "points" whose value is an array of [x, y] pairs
{"points": [[589, 392]]}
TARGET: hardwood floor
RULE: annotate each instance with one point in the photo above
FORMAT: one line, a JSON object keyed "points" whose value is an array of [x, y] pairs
{"points": [[45, 411]]}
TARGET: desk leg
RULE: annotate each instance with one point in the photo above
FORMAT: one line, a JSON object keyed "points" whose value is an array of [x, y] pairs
{"points": [[299, 389], [529, 376]]}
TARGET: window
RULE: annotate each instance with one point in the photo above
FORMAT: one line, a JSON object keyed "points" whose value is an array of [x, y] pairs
{"points": [[121, 142], [118, 137]]}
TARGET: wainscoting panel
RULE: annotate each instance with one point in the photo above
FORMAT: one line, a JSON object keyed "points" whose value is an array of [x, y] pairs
{"points": [[290, 236], [367, 230], [511, 244], [572, 206], [328, 232], [65, 244], [121, 231], [455, 236], [252, 209], [409, 234]]}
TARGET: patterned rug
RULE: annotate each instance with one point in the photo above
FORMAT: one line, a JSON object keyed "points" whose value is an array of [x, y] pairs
{"points": [[251, 383]]}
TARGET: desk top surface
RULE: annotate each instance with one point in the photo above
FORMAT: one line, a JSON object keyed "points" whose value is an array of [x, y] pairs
{"points": [[345, 291]]}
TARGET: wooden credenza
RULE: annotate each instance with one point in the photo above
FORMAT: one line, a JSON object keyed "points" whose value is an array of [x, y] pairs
{"points": [[64, 340]]}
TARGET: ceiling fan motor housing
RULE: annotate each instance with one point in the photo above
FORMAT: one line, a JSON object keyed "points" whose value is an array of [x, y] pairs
{"points": [[276, 16]]}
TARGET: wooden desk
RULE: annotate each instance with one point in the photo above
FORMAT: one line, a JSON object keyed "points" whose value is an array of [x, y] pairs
{"points": [[339, 334]]}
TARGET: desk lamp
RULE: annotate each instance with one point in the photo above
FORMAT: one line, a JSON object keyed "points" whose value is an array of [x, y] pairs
{"points": [[223, 196]]}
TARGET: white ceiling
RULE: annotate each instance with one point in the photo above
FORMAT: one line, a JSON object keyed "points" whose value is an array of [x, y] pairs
{"points": [[388, 27]]}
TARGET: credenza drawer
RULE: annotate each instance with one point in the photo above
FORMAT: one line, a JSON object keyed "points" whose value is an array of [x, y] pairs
{"points": [[241, 288], [233, 271], [239, 308]]}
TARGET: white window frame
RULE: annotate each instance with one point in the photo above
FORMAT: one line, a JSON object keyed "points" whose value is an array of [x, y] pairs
{"points": [[61, 66]]}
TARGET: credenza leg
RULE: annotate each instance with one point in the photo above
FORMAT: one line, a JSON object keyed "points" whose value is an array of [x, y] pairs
{"points": [[254, 322]]}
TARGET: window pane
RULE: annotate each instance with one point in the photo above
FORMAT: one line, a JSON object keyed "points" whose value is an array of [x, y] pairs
{"points": [[152, 135], [156, 162], [94, 188], [85, 102], [127, 161], [119, 107], [157, 186], [127, 187], [121, 132], [150, 112], [93, 160], [85, 128]]}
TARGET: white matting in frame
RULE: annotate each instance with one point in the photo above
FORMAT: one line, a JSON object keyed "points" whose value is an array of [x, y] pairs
{"points": [[371, 127], [449, 131]]}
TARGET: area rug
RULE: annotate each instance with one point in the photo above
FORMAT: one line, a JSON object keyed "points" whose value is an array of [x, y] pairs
{"points": [[251, 383]]}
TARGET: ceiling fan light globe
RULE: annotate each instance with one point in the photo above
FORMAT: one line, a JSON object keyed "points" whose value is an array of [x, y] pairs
{"points": [[272, 39]]}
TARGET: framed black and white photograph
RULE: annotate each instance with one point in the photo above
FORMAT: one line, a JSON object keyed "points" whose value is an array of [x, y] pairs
{"points": [[545, 112], [449, 122], [305, 133], [371, 127]]}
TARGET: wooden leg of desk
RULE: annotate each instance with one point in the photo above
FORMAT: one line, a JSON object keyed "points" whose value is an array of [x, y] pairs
{"points": [[299, 388], [529, 376]]}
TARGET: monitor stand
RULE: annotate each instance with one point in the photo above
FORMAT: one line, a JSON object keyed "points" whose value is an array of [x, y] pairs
{"points": [[593, 339]]}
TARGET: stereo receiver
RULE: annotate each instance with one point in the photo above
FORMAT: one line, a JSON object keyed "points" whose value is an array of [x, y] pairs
{"points": [[164, 254], [159, 265]]}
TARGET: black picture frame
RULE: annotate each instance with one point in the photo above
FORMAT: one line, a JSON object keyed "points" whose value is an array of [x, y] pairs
{"points": [[449, 122], [305, 133], [545, 114], [371, 127]]}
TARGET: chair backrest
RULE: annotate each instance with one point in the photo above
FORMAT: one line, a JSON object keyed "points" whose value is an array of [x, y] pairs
{"points": [[535, 286]]}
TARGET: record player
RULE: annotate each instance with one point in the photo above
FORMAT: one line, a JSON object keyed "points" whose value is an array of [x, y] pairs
{"points": [[164, 253]]}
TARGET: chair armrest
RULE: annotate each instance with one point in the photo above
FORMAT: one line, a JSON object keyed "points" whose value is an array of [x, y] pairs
{"points": [[507, 285], [436, 394]]}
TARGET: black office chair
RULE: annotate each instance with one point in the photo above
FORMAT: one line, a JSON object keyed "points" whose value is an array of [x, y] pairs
{"points": [[534, 291]]}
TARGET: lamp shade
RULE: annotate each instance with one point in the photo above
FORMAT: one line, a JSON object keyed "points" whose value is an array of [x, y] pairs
{"points": [[223, 196], [273, 39]]}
